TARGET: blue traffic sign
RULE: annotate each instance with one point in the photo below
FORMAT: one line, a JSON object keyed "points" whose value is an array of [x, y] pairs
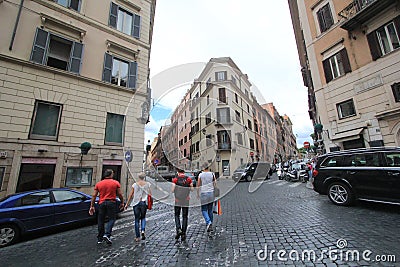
{"points": [[128, 156], [156, 161]]}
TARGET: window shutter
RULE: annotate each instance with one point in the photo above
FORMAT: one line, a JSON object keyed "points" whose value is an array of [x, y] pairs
{"points": [[327, 70], [136, 26], [132, 76], [113, 15], [396, 21], [40, 46], [321, 20], [374, 45], [75, 61], [328, 17], [345, 60], [75, 4], [108, 59]]}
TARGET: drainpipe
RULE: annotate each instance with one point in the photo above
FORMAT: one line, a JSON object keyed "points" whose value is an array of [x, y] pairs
{"points": [[21, 4]]}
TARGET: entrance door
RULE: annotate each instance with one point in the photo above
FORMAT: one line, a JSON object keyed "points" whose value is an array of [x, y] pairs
{"points": [[357, 143], [225, 167], [35, 176], [115, 168]]}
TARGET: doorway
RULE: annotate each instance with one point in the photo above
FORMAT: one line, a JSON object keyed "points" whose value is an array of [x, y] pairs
{"points": [[115, 168]]}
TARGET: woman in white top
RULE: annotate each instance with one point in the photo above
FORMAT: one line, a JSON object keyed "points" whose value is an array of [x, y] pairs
{"points": [[139, 192], [205, 190]]}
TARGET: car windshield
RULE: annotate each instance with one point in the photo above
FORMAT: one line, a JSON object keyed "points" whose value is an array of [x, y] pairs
{"points": [[189, 174]]}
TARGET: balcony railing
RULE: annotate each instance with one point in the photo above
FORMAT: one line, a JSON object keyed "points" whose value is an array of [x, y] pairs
{"points": [[223, 100], [359, 11], [355, 7], [223, 120], [224, 146]]}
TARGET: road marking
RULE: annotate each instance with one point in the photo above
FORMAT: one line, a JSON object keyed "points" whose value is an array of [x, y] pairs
{"points": [[273, 182], [282, 183], [295, 184]]}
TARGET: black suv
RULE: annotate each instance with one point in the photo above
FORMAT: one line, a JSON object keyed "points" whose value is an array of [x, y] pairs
{"points": [[363, 174], [252, 170]]}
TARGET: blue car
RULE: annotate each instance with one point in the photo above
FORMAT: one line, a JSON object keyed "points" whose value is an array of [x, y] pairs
{"points": [[31, 211]]}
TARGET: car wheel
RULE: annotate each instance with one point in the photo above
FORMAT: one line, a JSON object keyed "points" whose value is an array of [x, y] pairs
{"points": [[248, 178], [235, 180], [340, 194], [9, 234]]}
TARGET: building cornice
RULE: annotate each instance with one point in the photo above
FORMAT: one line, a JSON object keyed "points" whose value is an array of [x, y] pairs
{"points": [[70, 74], [388, 113]]}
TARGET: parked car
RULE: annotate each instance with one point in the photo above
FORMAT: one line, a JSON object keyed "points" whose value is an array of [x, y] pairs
{"points": [[360, 174], [31, 211], [252, 170]]}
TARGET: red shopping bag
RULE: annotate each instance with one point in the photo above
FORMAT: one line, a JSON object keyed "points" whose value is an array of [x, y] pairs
{"points": [[149, 202]]}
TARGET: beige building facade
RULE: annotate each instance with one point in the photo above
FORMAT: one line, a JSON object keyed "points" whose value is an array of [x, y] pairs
{"points": [[72, 74], [352, 49], [227, 126]]}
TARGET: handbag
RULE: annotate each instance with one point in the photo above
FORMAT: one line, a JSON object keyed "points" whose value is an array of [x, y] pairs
{"points": [[217, 192], [149, 202]]}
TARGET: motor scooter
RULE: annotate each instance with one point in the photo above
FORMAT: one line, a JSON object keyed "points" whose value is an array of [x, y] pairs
{"points": [[284, 172], [292, 176]]}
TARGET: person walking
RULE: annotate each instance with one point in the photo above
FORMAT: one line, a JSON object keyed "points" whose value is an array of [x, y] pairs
{"points": [[140, 190], [181, 187], [205, 190], [107, 189]]}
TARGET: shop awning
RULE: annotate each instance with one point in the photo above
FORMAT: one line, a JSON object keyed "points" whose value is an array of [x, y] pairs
{"points": [[348, 135]]}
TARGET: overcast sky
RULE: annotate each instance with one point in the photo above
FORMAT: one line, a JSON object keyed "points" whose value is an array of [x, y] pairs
{"points": [[256, 34]]}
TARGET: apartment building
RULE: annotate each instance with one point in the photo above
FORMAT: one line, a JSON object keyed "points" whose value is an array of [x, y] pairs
{"points": [[349, 51], [223, 125], [73, 91]]}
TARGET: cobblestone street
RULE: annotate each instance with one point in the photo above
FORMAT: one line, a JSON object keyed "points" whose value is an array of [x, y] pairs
{"points": [[278, 216]]}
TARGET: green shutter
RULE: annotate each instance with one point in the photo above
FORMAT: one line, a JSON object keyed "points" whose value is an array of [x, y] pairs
{"points": [[108, 59], [132, 75], [112, 21], [136, 26], [75, 61], [40, 45]]}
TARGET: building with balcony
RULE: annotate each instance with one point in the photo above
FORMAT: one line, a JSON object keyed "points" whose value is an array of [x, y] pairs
{"points": [[228, 127], [350, 49], [74, 91]]}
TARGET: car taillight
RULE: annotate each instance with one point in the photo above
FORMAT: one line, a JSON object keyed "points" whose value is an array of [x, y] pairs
{"points": [[314, 173]]}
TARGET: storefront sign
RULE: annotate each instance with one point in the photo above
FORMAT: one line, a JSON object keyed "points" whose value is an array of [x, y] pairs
{"points": [[39, 160], [368, 84], [112, 162]]}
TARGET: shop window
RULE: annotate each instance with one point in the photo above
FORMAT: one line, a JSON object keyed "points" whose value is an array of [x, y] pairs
{"points": [[78, 177]]}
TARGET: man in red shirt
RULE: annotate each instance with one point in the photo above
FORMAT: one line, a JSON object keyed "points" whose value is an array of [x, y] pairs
{"points": [[108, 189], [181, 187]]}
